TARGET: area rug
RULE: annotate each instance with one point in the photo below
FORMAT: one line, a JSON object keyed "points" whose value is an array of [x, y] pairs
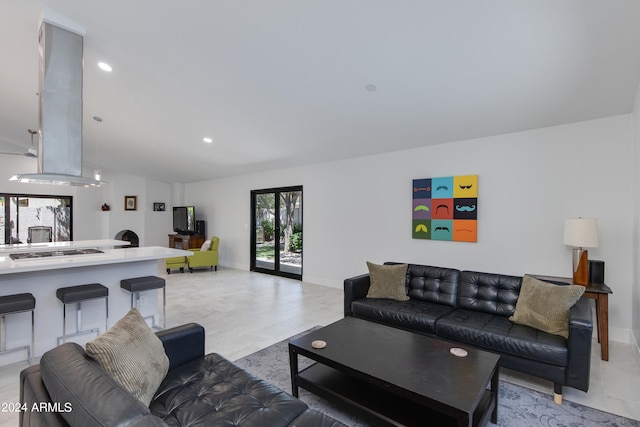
{"points": [[518, 406]]}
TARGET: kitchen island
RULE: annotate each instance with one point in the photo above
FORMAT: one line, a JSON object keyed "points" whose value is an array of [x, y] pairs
{"points": [[71, 264]]}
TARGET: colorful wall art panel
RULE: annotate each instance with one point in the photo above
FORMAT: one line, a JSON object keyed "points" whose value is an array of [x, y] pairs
{"points": [[446, 208]]}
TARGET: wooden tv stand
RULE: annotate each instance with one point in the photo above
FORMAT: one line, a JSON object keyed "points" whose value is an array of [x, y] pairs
{"points": [[185, 241]]}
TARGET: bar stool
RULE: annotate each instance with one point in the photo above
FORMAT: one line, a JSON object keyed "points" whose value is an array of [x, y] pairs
{"points": [[146, 283], [14, 304], [77, 295]]}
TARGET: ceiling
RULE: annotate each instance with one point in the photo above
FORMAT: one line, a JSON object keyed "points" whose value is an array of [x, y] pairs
{"points": [[280, 83]]}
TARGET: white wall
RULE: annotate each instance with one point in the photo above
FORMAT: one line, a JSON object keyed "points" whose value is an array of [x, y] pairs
{"points": [[152, 227], [635, 295], [360, 209]]}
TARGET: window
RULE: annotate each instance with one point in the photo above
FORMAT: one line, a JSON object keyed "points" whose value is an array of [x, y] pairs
{"points": [[26, 218]]}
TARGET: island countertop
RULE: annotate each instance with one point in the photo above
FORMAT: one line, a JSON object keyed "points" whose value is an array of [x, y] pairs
{"points": [[42, 276], [108, 256]]}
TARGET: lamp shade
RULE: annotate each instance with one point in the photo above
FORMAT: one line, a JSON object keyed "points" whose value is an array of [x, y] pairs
{"points": [[581, 232]]}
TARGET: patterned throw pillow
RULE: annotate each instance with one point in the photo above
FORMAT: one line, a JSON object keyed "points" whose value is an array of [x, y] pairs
{"points": [[388, 281], [133, 355], [545, 306]]}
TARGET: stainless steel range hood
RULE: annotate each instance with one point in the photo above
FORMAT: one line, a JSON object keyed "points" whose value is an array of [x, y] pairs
{"points": [[60, 134]]}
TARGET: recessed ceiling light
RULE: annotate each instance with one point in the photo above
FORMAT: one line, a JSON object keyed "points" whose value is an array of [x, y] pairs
{"points": [[104, 66], [207, 140]]}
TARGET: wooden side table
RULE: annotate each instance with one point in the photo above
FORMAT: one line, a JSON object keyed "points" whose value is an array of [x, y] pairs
{"points": [[600, 293], [185, 241]]}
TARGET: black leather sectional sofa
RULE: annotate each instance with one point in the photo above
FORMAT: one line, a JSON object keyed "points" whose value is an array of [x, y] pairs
{"points": [[68, 388], [473, 308]]}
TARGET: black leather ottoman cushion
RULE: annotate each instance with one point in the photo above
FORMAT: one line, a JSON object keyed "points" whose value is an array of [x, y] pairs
{"points": [[420, 316], [17, 302], [212, 391], [498, 333]]}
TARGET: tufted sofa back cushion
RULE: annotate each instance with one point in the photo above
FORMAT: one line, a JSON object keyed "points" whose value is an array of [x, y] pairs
{"points": [[433, 284], [489, 293]]}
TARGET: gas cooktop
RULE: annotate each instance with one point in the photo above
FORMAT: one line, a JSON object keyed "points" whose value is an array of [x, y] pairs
{"points": [[55, 253]]}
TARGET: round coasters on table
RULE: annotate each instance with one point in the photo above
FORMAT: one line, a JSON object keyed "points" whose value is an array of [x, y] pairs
{"points": [[458, 352], [318, 344]]}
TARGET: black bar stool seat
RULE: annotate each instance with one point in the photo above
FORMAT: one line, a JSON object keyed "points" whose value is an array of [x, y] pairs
{"points": [[17, 303], [77, 295], [141, 284], [14, 304], [136, 285], [73, 294]]}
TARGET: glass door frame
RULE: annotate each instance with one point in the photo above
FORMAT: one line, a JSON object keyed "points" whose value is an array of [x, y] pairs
{"points": [[277, 229], [8, 217]]}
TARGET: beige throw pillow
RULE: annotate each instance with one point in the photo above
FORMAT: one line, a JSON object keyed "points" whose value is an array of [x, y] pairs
{"points": [[388, 281], [205, 246], [545, 306], [133, 355]]}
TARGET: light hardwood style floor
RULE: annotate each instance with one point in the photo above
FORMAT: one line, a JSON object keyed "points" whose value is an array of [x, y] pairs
{"points": [[243, 312]]}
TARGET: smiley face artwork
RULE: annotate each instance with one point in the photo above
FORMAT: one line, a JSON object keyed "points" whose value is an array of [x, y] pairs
{"points": [[445, 208]]}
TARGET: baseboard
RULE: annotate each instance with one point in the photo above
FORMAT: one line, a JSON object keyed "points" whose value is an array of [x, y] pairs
{"points": [[241, 267], [635, 346], [622, 335], [323, 281]]}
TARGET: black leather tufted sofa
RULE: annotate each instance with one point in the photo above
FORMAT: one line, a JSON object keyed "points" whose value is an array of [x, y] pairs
{"points": [[473, 308], [69, 388]]}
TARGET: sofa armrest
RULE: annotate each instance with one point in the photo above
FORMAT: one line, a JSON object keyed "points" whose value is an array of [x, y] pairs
{"points": [[33, 391], [85, 393], [355, 288], [579, 345], [183, 343]]}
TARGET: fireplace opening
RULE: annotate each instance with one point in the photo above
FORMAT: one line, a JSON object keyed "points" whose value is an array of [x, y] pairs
{"points": [[128, 236]]}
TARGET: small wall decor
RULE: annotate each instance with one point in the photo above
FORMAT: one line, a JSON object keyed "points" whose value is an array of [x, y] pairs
{"points": [[446, 208], [158, 207], [130, 203]]}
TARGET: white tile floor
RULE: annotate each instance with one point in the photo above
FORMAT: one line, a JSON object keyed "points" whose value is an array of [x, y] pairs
{"points": [[243, 312]]}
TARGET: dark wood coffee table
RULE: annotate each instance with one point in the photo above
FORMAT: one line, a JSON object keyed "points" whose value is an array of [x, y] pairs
{"points": [[397, 377]]}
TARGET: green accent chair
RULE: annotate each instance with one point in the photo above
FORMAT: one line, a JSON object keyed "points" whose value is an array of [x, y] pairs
{"points": [[206, 258], [175, 262]]}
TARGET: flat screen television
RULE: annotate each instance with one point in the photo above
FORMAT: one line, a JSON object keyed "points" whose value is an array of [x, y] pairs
{"points": [[184, 219]]}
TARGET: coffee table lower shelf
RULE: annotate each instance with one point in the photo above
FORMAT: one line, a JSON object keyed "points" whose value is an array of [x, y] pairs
{"points": [[381, 405]]}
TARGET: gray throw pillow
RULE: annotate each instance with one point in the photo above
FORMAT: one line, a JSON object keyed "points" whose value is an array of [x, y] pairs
{"points": [[545, 306], [133, 355], [387, 281]]}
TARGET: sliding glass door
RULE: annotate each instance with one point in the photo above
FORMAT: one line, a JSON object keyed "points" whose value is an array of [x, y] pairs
{"points": [[276, 234]]}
